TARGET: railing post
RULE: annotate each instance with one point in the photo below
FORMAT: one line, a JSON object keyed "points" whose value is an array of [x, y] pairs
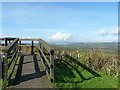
{"points": [[52, 66], [9, 41], [20, 46], [5, 72], [5, 41], [32, 47]]}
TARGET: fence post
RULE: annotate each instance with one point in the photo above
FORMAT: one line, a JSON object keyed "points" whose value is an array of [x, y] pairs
{"points": [[5, 72], [5, 41], [52, 66], [9, 41], [32, 47], [20, 46]]}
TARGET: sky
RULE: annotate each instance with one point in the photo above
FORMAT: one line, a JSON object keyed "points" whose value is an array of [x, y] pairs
{"points": [[61, 21]]}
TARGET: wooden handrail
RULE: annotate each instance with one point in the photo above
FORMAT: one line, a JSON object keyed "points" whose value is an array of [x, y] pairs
{"points": [[2, 38], [45, 45], [28, 39], [10, 46], [44, 57]]}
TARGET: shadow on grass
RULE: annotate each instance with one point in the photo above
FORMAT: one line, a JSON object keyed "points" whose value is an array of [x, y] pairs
{"points": [[64, 69], [84, 66]]}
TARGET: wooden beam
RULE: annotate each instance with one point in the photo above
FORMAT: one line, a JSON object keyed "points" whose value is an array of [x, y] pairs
{"points": [[44, 57], [6, 42], [19, 45], [28, 39], [32, 48], [52, 66], [9, 47], [45, 45], [5, 72]]}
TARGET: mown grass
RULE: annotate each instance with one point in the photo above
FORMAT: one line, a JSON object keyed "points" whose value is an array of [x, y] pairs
{"points": [[70, 75], [1, 84]]}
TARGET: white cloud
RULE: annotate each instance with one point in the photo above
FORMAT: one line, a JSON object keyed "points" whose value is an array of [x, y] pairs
{"points": [[103, 32], [115, 32], [61, 36]]}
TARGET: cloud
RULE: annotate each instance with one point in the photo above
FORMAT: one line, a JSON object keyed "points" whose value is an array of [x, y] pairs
{"points": [[103, 32], [60, 36], [115, 32]]}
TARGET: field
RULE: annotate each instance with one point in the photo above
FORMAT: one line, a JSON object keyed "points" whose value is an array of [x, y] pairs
{"points": [[86, 65]]}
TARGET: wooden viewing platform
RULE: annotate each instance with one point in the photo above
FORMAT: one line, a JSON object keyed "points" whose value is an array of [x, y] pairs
{"points": [[22, 70]]}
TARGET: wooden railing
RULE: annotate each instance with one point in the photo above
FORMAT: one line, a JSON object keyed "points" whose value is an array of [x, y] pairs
{"points": [[12, 49], [48, 61], [6, 41]]}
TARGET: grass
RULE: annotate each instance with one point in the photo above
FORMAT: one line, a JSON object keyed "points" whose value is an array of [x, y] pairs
{"points": [[100, 82], [70, 75], [1, 84]]}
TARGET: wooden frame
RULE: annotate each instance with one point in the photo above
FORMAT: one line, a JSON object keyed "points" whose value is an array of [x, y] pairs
{"points": [[15, 46]]}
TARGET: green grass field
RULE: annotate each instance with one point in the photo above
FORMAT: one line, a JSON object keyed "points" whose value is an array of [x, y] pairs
{"points": [[70, 75], [1, 84]]}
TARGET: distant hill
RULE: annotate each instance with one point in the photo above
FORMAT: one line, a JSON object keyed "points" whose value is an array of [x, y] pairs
{"points": [[106, 46]]}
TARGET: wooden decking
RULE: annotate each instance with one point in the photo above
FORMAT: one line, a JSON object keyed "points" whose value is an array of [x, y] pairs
{"points": [[30, 73], [27, 70]]}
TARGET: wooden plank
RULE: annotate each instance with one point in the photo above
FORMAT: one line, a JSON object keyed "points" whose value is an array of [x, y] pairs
{"points": [[25, 45], [12, 59], [46, 46], [5, 73], [48, 75], [28, 39], [6, 42], [32, 47], [14, 64], [44, 57], [52, 66], [2, 38], [9, 47], [19, 45], [11, 38]]}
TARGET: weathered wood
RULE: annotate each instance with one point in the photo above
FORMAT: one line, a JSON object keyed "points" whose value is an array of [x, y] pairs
{"points": [[44, 57], [19, 45], [13, 57], [9, 41], [13, 63], [25, 45], [8, 38], [13, 48], [5, 72], [6, 42], [2, 38], [28, 39], [52, 66], [32, 74], [32, 47], [48, 75], [43, 43], [9, 47]]}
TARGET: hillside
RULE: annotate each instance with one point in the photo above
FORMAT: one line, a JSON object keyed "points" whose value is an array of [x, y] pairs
{"points": [[86, 65]]}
